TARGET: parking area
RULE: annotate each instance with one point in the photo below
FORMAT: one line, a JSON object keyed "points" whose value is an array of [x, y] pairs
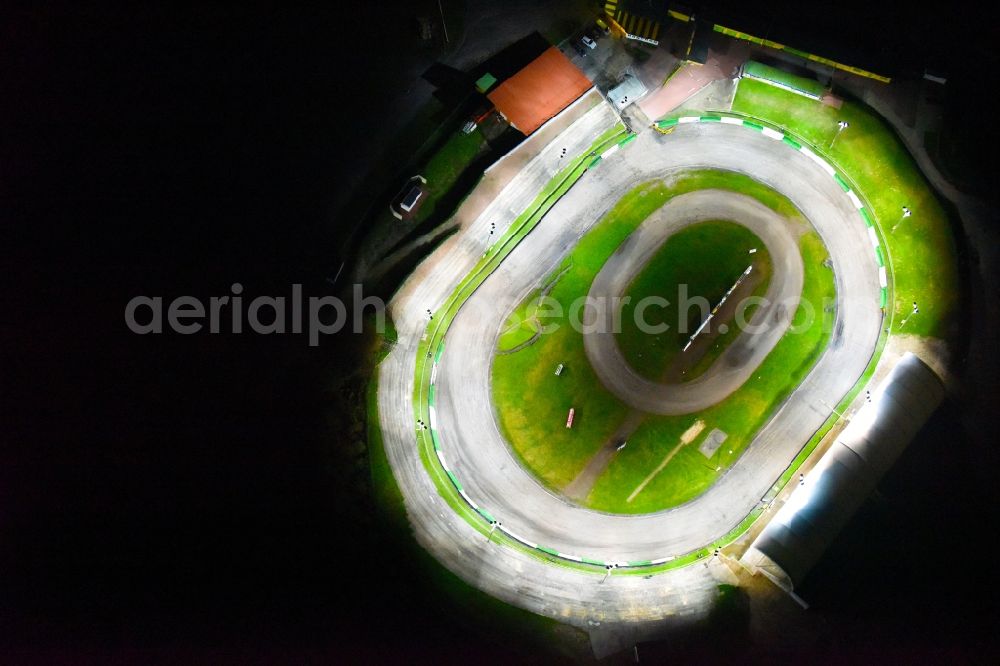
{"points": [[609, 60]]}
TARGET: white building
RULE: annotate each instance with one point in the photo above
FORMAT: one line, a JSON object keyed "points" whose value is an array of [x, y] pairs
{"points": [[829, 495], [631, 89]]}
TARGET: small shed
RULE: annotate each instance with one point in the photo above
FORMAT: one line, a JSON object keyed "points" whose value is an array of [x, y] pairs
{"points": [[630, 90], [485, 82]]}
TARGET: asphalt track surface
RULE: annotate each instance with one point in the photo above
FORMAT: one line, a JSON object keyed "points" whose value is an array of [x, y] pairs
{"points": [[741, 358], [482, 460]]}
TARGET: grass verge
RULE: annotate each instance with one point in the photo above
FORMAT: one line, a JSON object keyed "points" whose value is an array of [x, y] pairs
{"points": [[521, 326], [446, 165]]}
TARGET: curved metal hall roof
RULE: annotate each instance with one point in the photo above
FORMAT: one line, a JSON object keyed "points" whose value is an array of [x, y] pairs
{"points": [[847, 474]]}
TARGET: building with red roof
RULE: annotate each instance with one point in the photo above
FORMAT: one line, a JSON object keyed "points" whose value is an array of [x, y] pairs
{"points": [[540, 91]]}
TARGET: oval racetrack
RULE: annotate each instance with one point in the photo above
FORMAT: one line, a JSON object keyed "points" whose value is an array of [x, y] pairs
{"points": [[482, 460], [741, 358]]}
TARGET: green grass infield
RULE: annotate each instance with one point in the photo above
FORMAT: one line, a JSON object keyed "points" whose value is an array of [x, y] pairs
{"points": [[707, 258]]}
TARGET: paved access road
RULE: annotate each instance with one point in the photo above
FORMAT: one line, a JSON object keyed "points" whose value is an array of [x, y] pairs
{"points": [[735, 365], [484, 463]]}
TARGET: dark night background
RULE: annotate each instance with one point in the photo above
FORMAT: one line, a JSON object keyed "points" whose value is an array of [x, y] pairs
{"points": [[165, 497]]}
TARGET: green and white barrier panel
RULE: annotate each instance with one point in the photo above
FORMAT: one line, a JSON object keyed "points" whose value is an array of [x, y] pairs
{"points": [[615, 148], [780, 79]]}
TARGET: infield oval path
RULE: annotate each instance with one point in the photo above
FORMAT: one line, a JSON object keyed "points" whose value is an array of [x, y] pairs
{"points": [[741, 358]]}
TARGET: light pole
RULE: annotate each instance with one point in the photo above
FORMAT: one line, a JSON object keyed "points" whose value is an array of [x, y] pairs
{"points": [[832, 409], [906, 213], [608, 567], [916, 311], [493, 526], [444, 24], [841, 126], [337, 276]]}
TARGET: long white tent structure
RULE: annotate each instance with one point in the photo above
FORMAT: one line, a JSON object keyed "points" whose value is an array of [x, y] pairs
{"points": [[847, 474]]}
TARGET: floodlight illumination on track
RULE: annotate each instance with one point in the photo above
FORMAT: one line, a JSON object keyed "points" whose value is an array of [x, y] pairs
{"points": [[640, 545]]}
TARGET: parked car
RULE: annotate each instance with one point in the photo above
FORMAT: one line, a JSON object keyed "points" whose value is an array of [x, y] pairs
{"points": [[405, 204], [588, 42]]}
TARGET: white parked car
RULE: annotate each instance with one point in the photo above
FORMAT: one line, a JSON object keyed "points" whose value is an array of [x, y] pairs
{"points": [[588, 42]]}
